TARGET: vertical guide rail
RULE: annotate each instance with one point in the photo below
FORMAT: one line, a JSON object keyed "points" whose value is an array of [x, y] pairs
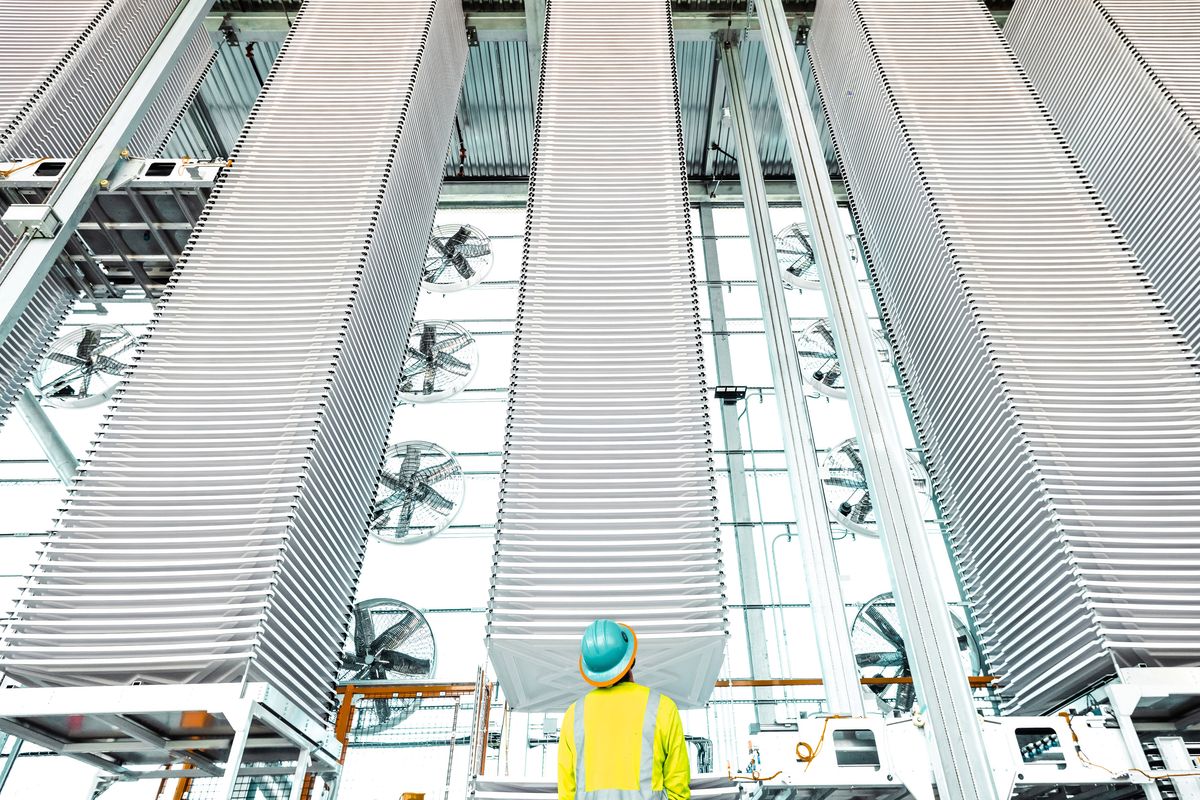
{"points": [[843, 694], [961, 765], [739, 501]]}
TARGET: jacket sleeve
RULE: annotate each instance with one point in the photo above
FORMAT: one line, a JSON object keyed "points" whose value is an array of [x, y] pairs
{"points": [[676, 771], [566, 756]]}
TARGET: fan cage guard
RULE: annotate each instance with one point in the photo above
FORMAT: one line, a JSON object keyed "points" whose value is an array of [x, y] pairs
{"points": [[417, 362], [478, 258], [899, 698], [844, 461], [817, 337], [797, 262], [450, 487], [375, 715], [66, 377]]}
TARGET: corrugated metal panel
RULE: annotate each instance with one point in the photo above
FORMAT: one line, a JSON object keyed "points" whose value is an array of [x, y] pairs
{"points": [[495, 112], [496, 109]]}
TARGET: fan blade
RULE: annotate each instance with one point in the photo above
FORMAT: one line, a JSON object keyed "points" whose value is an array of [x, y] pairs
{"points": [[475, 249], [874, 617], [451, 364], [401, 662], [906, 695], [87, 344], [390, 503], [428, 340], [433, 498], [383, 709], [396, 633], [454, 343], [430, 380], [887, 658], [111, 366], [63, 358], [364, 630], [436, 472], [462, 266], [350, 663], [460, 236]]}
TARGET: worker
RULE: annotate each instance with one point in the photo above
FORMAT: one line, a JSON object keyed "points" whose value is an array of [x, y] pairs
{"points": [[620, 741]]}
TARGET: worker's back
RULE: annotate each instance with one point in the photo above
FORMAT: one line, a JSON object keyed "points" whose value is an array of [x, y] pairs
{"points": [[632, 743]]}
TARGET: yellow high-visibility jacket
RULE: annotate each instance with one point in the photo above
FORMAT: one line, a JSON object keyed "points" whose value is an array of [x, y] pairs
{"points": [[633, 747]]}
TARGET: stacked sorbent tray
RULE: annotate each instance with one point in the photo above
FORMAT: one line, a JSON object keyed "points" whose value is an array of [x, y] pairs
{"points": [[607, 496], [64, 63], [1058, 405], [217, 529], [1122, 80]]}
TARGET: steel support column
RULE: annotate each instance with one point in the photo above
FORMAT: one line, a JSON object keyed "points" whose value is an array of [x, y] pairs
{"points": [[961, 766], [10, 761], [739, 500], [34, 254], [48, 438], [838, 667]]}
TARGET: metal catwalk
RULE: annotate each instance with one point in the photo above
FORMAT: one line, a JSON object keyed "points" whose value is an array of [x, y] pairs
{"points": [[1057, 405], [1121, 79], [64, 64], [217, 529], [607, 503]]}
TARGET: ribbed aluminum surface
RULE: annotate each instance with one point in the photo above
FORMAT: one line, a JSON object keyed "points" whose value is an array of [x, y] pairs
{"points": [[1058, 406], [218, 526], [607, 502], [36, 39], [63, 64], [1122, 80]]}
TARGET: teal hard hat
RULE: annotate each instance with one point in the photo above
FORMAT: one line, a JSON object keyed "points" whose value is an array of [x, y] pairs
{"points": [[606, 652]]}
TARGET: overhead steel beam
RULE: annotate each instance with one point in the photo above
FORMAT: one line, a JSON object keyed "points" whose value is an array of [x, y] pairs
{"points": [[838, 667], [514, 193], [961, 767], [735, 461], [35, 252], [48, 438]]}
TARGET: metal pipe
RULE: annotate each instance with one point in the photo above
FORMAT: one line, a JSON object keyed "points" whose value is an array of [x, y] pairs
{"points": [[48, 438], [816, 537], [743, 530], [961, 765]]}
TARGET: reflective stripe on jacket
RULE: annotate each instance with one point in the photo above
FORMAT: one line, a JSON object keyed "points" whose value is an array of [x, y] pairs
{"points": [[623, 742]]}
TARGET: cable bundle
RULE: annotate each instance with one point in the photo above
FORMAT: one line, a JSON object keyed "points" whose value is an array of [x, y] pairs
{"points": [[217, 529], [1058, 405]]}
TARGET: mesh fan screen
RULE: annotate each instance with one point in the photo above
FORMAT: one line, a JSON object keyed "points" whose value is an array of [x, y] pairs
{"points": [[1122, 81], [1057, 406], [607, 497], [233, 479]]}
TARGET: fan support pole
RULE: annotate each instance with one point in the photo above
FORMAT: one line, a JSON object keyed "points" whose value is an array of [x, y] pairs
{"points": [[842, 691], [961, 766]]}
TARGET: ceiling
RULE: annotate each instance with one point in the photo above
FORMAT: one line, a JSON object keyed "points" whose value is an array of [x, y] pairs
{"points": [[495, 119]]}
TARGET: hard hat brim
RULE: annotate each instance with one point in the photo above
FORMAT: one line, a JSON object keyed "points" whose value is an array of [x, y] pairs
{"points": [[609, 677]]}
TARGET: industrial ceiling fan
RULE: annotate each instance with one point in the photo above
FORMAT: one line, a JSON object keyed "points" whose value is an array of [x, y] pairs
{"points": [[879, 652], [819, 358], [845, 479], [797, 260], [420, 490], [390, 642], [85, 367], [459, 256], [440, 361]]}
